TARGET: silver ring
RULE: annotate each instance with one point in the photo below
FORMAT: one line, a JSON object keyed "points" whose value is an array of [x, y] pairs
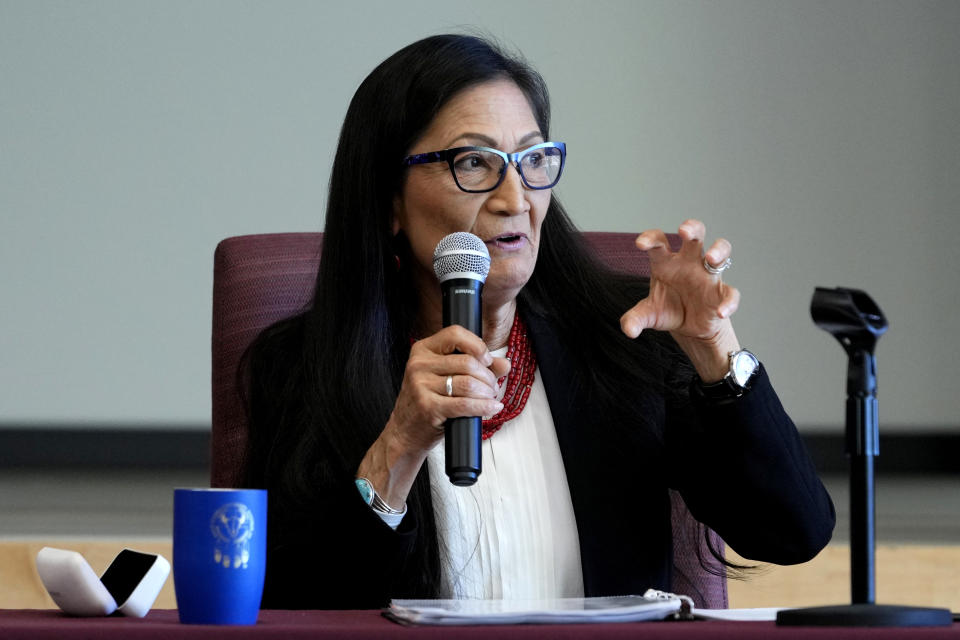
{"points": [[450, 386], [720, 268]]}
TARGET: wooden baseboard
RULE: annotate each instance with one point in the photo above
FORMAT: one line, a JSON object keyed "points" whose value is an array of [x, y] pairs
{"points": [[916, 575], [906, 574]]}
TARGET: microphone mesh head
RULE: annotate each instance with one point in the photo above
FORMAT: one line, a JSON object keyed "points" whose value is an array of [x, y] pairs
{"points": [[461, 255]]}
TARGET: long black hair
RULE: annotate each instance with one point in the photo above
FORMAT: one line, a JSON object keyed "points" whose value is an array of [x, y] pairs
{"points": [[355, 339]]}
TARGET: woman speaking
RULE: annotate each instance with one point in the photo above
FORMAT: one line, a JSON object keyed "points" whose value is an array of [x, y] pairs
{"points": [[599, 392]]}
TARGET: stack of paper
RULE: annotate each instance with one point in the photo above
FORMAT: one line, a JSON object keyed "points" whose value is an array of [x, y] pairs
{"points": [[555, 611]]}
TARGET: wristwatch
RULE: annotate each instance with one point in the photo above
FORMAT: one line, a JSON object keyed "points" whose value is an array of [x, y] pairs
{"points": [[743, 366]]}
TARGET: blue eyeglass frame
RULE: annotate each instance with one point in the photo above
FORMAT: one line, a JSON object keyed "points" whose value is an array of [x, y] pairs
{"points": [[448, 156]]}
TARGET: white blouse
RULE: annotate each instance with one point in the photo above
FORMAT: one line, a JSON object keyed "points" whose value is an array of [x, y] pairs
{"points": [[513, 534]]}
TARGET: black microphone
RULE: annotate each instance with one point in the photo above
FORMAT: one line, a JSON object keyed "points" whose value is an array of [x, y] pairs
{"points": [[461, 262]]}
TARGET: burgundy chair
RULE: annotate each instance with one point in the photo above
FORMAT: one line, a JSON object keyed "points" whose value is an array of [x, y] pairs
{"points": [[260, 279]]}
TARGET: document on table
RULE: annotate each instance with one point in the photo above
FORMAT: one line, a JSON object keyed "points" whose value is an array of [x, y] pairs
{"points": [[554, 611], [759, 614]]}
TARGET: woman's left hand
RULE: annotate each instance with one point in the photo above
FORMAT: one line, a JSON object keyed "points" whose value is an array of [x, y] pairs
{"points": [[685, 299]]}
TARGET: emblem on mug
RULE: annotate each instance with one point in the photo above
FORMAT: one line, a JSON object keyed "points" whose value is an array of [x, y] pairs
{"points": [[232, 527]]}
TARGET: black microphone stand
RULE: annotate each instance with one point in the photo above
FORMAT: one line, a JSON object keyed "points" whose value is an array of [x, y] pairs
{"points": [[853, 318]]}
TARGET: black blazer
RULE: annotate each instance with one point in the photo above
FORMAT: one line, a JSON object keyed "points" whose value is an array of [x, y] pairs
{"points": [[741, 468]]}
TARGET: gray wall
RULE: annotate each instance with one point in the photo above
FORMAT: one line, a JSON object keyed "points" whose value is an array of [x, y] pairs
{"points": [[822, 138]]}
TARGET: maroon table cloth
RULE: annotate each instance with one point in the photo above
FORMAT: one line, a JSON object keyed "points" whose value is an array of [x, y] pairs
{"points": [[38, 624]]}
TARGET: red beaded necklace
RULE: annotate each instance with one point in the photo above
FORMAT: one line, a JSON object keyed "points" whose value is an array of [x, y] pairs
{"points": [[523, 365]]}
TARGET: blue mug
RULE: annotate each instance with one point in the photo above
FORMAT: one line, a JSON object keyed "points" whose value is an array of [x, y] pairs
{"points": [[219, 554]]}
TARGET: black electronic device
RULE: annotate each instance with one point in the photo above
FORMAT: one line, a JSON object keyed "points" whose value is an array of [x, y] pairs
{"points": [[126, 572]]}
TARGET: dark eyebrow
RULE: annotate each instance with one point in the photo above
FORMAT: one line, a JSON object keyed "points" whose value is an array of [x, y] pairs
{"points": [[530, 136], [484, 141], [487, 141]]}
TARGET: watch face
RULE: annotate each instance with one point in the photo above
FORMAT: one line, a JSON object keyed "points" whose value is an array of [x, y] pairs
{"points": [[743, 366]]}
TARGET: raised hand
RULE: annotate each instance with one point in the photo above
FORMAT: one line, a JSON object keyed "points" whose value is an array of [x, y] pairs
{"points": [[688, 297]]}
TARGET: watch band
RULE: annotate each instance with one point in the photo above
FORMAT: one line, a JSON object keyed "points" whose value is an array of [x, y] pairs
{"points": [[728, 388]]}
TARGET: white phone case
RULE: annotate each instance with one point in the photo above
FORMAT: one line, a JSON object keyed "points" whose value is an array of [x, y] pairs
{"points": [[77, 590]]}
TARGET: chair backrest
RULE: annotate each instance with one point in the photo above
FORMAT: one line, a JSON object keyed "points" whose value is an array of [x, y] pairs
{"points": [[260, 279]]}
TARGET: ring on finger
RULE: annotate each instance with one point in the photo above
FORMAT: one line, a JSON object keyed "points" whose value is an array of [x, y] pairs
{"points": [[720, 268], [449, 386]]}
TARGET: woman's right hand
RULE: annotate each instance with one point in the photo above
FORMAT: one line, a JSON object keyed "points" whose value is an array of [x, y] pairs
{"points": [[422, 406]]}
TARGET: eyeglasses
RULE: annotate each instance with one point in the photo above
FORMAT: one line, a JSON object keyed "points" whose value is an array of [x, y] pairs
{"points": [[482, 169]]}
